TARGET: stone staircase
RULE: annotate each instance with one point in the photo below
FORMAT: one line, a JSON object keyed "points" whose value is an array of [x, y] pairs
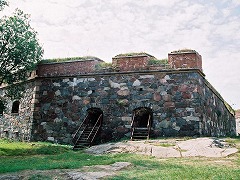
{"points": [[86, 138], [86, 134], [139, 133]]}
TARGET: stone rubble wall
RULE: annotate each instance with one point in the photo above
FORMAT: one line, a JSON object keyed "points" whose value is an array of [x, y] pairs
{"points": [[18, 126], [237, 116], [182, 104], [218, 119]]}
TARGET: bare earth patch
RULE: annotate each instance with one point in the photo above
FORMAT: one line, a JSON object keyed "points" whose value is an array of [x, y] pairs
{"points": [[85, 173]]}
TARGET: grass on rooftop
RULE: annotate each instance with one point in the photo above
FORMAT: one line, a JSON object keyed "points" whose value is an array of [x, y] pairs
{"points": [[59, 60]]}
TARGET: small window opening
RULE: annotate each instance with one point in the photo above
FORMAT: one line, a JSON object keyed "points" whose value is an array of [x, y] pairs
{"points": [[1, 108], [15, 107], [16, 134], [141, 89], [93, 91], [6, 133]]}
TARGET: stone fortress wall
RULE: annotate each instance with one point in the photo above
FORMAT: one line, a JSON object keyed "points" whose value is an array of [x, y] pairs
{"points": [[237, 116], [18, 125], [182, 101]]}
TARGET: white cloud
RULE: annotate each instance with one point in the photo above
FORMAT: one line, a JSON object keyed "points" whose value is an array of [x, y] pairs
{"points": [[105, 28]]}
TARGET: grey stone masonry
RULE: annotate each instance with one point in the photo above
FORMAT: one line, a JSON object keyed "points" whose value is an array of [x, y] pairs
{"points": [[181, 101], [18, 125]]}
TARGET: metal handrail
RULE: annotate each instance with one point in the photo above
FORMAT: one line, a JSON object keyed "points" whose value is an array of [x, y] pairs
{"points": [[132, 128], [132, 133], [95, 135], [74, 136], [94, 128], [148, 126], [132, 120]]}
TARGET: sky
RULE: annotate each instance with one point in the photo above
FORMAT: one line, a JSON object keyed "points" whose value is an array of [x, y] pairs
{"points": [[105, 28]]}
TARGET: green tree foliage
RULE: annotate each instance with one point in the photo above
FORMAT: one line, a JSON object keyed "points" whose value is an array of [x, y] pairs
{"points": [[3, 3], [19, 48]]}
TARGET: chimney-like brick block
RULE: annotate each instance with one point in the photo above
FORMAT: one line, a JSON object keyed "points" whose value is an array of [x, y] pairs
{"points": [[185, 60], [131, 63]]}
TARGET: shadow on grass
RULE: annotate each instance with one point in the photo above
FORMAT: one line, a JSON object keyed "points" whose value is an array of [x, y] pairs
{"points": [[9, 148]]}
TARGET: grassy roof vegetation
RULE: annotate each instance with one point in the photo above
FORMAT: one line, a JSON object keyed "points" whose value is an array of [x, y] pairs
{"points": [[155, 61], [184, 51], [103, 65], [59, 60], [133, 54]]}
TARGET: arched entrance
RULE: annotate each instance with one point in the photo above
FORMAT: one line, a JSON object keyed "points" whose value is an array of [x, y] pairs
{"points": [[15, 107], [142, 117], [93, 115], [141, 123], [1, 107]]}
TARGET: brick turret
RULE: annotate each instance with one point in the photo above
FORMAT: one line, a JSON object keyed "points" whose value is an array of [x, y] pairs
{"points": [[131, 61], [68, 66], [185, 59]]}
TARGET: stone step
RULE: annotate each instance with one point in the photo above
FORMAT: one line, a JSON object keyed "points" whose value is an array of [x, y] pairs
{"points": [[85, 138], [140, 128], [140, 136]]}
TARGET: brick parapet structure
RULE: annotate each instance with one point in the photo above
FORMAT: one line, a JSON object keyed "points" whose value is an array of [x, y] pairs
{"points": [[188, 59], [76, 67], [121, 63], [130, 63]]}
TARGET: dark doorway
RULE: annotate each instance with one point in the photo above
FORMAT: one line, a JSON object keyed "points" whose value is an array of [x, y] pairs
{"points": [[93, 115], [15, 107], [1, 108], [142, 117], [87, 133]]}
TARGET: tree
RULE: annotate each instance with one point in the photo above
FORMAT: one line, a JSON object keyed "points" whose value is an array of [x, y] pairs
{"points": [[20, 50], [3, 3]]}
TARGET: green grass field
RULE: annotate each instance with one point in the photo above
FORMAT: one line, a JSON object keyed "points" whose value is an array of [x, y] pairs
{"points": [[18, 156]]}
